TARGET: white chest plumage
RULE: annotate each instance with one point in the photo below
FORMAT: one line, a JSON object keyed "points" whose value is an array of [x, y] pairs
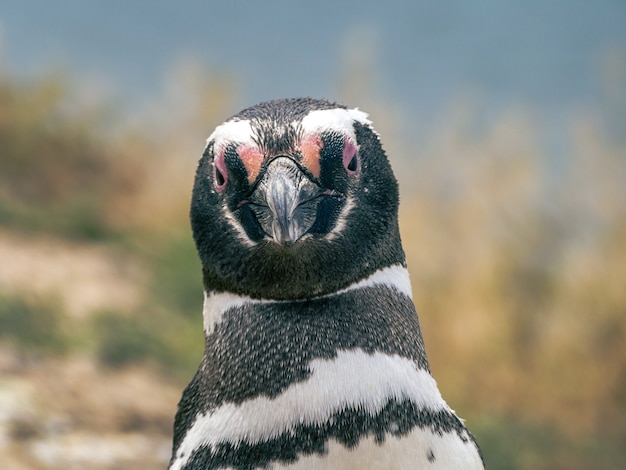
{"points": [[419, 450], [353, 380]]}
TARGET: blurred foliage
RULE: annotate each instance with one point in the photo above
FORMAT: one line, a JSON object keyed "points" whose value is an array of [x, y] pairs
{"points": [[168, 342], [34, 327], [55, 173], [518, 263], [518, 270], [512, 444], [168, 330], [178, 276], [123, 340]]}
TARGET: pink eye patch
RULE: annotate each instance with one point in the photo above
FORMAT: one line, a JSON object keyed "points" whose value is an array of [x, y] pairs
{"points": [[252, 158], [310, 147], [312, 144], [351, 160], [220, 174]]}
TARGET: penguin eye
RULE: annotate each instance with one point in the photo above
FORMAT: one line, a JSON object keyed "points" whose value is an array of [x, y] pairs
{"points": [[351, 160], [220, 179], [353, 165], [220, 174]]}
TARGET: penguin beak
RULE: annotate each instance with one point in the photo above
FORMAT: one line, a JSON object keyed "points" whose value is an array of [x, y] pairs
{"points": [[285, 201]]}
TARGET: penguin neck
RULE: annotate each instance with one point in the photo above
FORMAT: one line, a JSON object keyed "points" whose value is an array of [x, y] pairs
{"points": [[216, 304], [262, 346]]}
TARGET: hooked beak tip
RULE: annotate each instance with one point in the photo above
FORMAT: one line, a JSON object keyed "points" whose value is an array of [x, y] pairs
{"points": [[286, 202]]}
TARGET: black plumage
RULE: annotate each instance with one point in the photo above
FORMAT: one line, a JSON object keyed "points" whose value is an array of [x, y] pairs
{"points": [[295, 216]]}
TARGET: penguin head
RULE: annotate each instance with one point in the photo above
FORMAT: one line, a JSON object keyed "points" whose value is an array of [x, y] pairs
{"points": [[294, 199]]}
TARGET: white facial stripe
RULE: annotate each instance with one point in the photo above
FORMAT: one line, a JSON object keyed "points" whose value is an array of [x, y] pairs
{"points": [[217, 304], [234, 223], [334, 120], [318, 121], [341, 220], [239, 131], [353, 379]]}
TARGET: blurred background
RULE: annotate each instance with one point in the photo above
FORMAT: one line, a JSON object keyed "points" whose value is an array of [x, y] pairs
{"points": [[505, 122]]}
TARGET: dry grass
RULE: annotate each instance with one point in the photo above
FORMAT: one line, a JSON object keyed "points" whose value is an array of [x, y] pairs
{"points": [[518, 266]]}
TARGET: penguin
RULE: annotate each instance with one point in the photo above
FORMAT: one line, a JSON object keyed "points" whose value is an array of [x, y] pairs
{"points": [[314, 357]]}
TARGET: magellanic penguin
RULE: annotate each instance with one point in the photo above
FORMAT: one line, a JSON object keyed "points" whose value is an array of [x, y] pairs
{"points": [[314, 356]]}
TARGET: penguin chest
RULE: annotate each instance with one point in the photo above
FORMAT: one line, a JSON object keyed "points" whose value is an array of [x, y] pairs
{"points": [[357, 410], [419, 449]]}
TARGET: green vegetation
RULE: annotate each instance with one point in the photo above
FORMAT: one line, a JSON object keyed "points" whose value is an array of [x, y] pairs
{"points": [[178, 276], [34, 327], [518, 267], [124, 340], [168, 342], [511, 444], [55, 173], [167, 330]]}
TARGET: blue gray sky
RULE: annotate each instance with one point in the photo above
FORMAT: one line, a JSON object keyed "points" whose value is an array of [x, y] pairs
{"points": [[422, 54]]}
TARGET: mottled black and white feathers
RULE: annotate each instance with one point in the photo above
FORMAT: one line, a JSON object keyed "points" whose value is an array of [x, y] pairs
{"points": [[314, 356]]}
